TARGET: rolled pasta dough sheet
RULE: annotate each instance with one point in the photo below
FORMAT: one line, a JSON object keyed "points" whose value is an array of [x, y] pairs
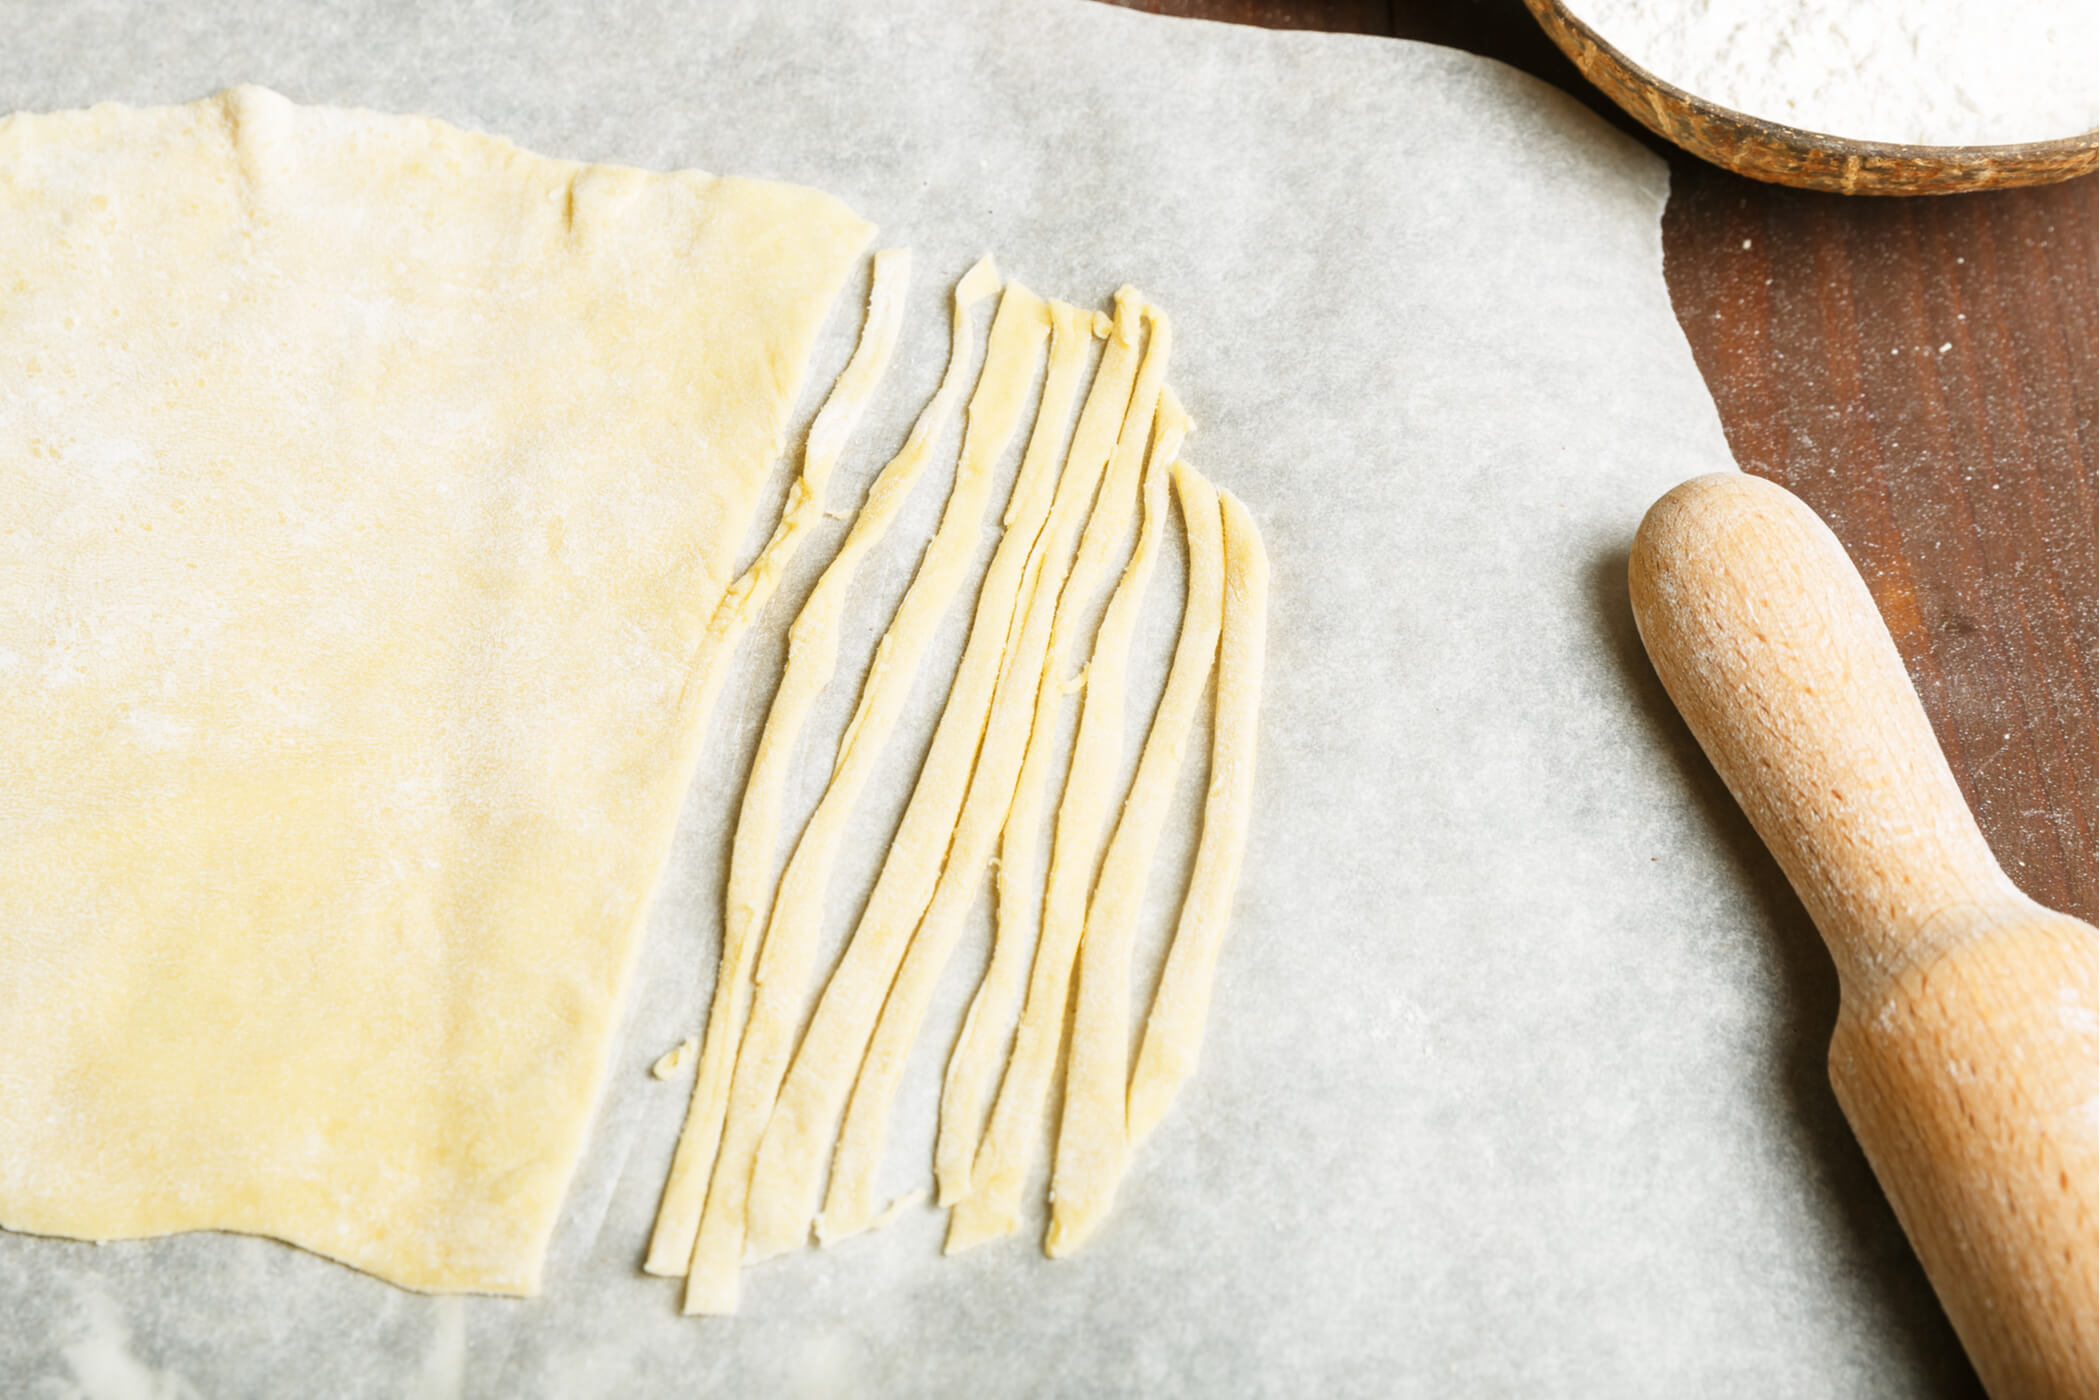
{"points": [[372, 482]]}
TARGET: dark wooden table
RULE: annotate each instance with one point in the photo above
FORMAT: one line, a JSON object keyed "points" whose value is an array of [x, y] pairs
{"points": [[1922, 372]]}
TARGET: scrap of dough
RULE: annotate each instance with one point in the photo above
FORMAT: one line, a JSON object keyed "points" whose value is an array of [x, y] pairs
{"points": [[1091, 1146], [673, 1060], [1174, 1029], [1013, 348], [966, 1088], [372, 485], [992, 1207], [880, 1031], [896, 1208], [812, 657]]}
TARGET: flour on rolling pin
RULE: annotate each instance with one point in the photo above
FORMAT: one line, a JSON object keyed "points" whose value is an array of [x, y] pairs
{"points": [[1964, 1052], [1911, 72]]}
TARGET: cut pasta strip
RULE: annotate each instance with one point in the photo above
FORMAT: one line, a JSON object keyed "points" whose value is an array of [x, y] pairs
{"points": [[1013, 349], [849, 1205], [1174, 1028], [992, 1207], [1098, 748], [791, 1155], [833, 426], [966, 1090], [1091, 1144], [678, 1218]]}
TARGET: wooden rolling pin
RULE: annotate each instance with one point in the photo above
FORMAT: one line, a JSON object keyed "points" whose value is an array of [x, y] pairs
{"points": [[1966, 1054]]}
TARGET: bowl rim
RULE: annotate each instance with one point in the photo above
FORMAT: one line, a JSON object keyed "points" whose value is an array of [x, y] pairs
{"points": [[1765, 149]]}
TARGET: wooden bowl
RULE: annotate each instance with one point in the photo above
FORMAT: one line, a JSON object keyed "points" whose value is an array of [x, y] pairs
{"points": [[1787, 155]]}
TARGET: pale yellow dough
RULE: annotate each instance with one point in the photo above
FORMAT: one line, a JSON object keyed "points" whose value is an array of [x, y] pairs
{"points": [[1091, 1143], [829, 432], [371, 486], [674, 1059], [885, 1027], [966, 1087], [812, 659], [1013, 351], [1098, 747], [1174, 1028], [1011, 1137]]}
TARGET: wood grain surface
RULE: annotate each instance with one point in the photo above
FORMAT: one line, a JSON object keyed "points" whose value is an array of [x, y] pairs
{"points": [[1922, 372]]}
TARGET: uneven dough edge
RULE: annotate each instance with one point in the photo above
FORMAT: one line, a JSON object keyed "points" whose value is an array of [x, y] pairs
{"points": [[812, 656], [877, 1032], [478, 1212], [1013, 345], [1153, 427], [1181, 1005], [1092, 1147]]}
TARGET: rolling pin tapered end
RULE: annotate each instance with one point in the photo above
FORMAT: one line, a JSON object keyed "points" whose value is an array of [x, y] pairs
{"points": [[1967, 1050]]}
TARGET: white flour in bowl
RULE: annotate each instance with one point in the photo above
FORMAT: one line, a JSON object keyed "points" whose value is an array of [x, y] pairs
{"points": [[1919, 72]]}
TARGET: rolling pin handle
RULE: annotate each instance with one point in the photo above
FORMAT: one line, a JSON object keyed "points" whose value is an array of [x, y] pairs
{"points": [[1967, 1049]]}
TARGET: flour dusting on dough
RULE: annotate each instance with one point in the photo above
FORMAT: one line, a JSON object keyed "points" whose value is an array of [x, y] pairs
{"points": [[368, 507]]}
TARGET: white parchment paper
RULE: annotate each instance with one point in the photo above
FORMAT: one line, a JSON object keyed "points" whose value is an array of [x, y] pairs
{"points": [[1513, 1083]]}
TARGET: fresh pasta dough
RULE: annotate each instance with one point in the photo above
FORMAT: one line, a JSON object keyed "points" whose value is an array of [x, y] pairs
{"points": [[1092, 1146], [893, 1023], [1008, 1151], [1019, 330], [376, 489], [813, 647], [792, 1154], [372, 485], [973, 1068], [1181, 1004]]}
